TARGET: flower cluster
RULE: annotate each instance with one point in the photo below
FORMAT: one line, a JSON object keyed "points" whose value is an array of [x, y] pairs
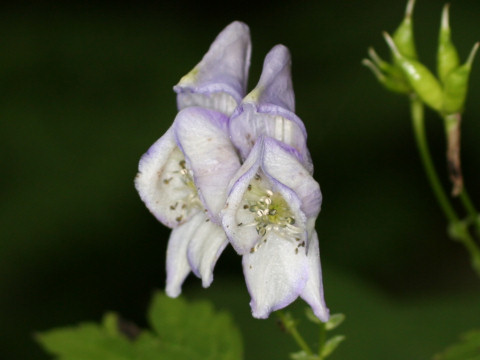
{"points": [[234, 168]]}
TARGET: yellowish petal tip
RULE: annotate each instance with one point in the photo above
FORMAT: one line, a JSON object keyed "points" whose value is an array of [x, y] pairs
{"points": [[189, 78], [253, 96]]}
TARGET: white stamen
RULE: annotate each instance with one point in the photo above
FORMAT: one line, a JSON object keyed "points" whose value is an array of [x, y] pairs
{"points": [[183, 178]]}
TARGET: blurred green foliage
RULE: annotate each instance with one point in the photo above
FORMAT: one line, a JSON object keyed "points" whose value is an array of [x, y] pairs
{"points": [[181, 331], [87, 87], [468, 348]]}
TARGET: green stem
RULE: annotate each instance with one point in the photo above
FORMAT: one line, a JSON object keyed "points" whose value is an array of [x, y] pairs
{"points": [[453, 132], [321, 340], [292, 330], [417, 112], [474, 217], [458, 230], [468, 205]]}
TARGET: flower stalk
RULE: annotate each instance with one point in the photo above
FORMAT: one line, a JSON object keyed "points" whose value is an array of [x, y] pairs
{"points": [[291, 328], [325, 346], [446, 94], [322, 336], [417, 114], [458, 230]]}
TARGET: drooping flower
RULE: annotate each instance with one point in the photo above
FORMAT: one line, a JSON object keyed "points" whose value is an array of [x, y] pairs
{"points": [[183, 177], [219, 80], [269, 109], [270, 218], [270, 203]]}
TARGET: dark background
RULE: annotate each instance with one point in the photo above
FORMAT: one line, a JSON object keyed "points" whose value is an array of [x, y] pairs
{"points": [[86, 88]]}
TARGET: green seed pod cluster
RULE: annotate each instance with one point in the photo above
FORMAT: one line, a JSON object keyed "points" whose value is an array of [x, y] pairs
{"points": [[407, 75]]}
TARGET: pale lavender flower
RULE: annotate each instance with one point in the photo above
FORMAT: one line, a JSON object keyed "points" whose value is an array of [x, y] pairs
{"points": [[219, 80], [270, 203], [269, 109], [183, 179], [270, 218]]}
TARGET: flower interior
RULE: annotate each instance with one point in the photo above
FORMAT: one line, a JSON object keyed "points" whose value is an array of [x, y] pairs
{"points": [[177, 180], [268, 211]]}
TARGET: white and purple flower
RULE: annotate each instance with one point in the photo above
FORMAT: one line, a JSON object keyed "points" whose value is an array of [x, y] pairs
{"points": [[269, 218], [183, 177], [235, 168]]}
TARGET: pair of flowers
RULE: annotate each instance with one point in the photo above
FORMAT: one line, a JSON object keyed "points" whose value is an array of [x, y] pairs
{"points": [[235, 169]]}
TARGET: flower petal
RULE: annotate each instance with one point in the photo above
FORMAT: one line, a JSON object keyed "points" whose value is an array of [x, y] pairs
{"points": [[219, 81], [243, 238], [280, 163], [202, 136], [249, 185], [178, 267], [269, 109], [275, 84], [275, 275], [313, 291], [156, 187], [204, 250]]}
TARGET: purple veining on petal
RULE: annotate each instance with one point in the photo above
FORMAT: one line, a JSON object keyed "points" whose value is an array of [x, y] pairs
{"points": [[223, 70]]}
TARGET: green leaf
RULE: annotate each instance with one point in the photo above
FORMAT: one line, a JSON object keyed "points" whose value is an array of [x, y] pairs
{"points": [[334, 321], [468, 348], [181, 332], [194, 331], [86, 341], [311, 316], [302, 355], [110, 323], [331, 344]]}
